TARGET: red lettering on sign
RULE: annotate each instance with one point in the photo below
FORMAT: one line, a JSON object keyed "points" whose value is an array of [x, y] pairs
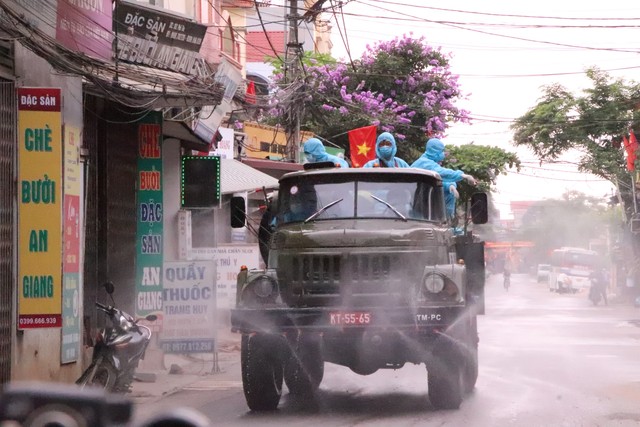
{"points": [[150, 180], [149, 141]]}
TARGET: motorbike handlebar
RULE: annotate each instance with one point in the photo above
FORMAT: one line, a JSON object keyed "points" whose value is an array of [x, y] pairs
{"points": [[105, 308]]}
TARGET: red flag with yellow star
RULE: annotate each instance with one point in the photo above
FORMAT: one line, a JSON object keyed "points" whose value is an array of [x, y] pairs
{"points": [[362, 145]]}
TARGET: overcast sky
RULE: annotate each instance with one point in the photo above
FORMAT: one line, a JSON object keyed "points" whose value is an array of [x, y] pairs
{"points": [[504, 60]]}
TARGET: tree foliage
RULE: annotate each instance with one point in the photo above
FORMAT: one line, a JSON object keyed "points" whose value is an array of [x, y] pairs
{"points": [[485, 163], [592, 124], [403, 86]]}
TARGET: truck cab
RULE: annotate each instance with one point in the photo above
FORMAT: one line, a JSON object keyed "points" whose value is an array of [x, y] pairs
{"points": [[365, 271]]}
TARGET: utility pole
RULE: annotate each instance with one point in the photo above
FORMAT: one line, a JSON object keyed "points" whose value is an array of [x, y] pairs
{"points": [[295, 105]]}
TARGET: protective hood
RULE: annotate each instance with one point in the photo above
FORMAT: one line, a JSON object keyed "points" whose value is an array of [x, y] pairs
{"points": [[435, 150], [386, 136], [314, 150]]}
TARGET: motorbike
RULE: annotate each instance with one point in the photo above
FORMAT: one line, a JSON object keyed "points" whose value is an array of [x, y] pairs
{"points": [[118, 349], [594, 293]]}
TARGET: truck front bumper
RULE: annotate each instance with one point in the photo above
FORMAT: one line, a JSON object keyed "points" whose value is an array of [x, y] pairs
{"points": [[328, 319]]}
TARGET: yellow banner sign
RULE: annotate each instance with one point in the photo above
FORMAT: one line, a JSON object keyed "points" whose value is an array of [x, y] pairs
{"points": [[40, 205]]}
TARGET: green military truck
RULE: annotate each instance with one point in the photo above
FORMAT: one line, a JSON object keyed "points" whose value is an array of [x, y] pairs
{"points": [[363, 270]]}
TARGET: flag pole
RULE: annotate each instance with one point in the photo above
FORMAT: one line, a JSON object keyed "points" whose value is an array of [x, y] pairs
{"points": [[633, 192]]}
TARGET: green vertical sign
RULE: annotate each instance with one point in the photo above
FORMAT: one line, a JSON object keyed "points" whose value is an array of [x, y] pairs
{"points": [[149, 212]]}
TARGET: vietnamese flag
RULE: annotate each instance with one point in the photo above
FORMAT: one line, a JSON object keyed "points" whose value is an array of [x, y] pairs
{"points": [[631, 151], [362, 145], [250, 96]]}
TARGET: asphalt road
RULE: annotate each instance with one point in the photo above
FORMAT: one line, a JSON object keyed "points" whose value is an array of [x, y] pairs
{"points": [[545, 360]]}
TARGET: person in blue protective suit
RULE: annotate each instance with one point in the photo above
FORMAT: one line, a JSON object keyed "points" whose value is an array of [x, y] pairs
{"points": [[386, 150], [431, 160], [315, 152], [450, 197]]}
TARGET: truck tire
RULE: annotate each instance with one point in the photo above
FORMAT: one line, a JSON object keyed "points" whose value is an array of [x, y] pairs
{"points": [[304, 368], [261, 365], [471, 371], [446, 382]]}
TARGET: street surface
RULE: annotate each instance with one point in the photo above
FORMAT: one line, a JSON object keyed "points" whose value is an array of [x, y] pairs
{"points": [[545, 360]]}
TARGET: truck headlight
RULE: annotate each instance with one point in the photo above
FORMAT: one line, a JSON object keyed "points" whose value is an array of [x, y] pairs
{"points": [[441, 284], [260, 290], [433, 283], [263, 286]]}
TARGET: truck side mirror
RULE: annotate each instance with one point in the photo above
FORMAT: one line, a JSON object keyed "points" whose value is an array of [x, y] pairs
{"points": [[479, 208], [238, 212]]}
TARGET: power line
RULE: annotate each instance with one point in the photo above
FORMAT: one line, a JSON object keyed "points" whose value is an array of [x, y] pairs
{"points": [[567, 18], [508, 36]]}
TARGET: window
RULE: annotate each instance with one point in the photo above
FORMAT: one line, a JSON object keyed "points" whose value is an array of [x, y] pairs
{"points": [[372, 196]]}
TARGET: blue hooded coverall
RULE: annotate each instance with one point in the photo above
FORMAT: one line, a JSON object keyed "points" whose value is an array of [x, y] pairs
{"points": [[430, 160], [386, 156], [315, 152]]}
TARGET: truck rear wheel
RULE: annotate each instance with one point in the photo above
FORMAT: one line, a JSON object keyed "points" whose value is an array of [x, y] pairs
{"points": [[446, 382], [304, 367], [262, 371]]}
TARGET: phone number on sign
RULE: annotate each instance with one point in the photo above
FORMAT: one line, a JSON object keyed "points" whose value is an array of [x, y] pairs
{"points": [[354, 318], [44, 320]]}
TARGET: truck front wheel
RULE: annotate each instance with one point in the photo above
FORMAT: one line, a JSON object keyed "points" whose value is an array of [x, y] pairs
{"points": [[446, 382], [304, 367], [471, 371], [262, 371]]}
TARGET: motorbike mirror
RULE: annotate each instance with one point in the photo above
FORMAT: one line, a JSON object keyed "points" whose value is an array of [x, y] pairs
{"points": [[108, 286], [151, 317]]}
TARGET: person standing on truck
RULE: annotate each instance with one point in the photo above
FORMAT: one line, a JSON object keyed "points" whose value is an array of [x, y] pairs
{"points": [[431, 160], [386, 150], [315, 152]]}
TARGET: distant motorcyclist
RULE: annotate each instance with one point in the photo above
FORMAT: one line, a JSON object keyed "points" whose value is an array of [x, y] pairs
{"points": [[598, 286], [506, 275]]}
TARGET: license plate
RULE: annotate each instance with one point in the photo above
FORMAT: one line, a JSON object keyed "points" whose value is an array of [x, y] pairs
{"points": [[350, 318]]}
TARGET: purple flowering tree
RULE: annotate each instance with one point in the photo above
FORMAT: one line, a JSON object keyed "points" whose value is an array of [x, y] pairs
{"points": [[404, 86]]}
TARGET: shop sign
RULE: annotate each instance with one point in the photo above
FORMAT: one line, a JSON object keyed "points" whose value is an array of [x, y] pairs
{"points": [[228, 260], [39, 206], [85, 26], [159, 40], [189, 307], [149, 208], [71, 278], [224, 148]]}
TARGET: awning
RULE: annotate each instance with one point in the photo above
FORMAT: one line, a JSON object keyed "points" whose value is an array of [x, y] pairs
{"points": [[237, 177], [274, 168], [189, 139]]}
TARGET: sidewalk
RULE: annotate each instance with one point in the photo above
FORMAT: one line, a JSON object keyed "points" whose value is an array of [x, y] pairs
{"points": [[177, 371]]}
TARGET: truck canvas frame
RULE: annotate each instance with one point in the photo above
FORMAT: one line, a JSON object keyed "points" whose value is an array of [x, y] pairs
{"points": [[364, 271]]}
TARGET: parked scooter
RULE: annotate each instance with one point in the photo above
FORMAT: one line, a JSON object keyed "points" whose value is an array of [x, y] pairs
{"points": [[117, 351]]}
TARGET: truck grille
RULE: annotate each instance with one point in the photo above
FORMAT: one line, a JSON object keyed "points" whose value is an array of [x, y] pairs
{"points": [[356, 273]]}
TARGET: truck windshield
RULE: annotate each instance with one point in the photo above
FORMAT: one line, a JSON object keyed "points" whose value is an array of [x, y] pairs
{"points": [[308, 199]]}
